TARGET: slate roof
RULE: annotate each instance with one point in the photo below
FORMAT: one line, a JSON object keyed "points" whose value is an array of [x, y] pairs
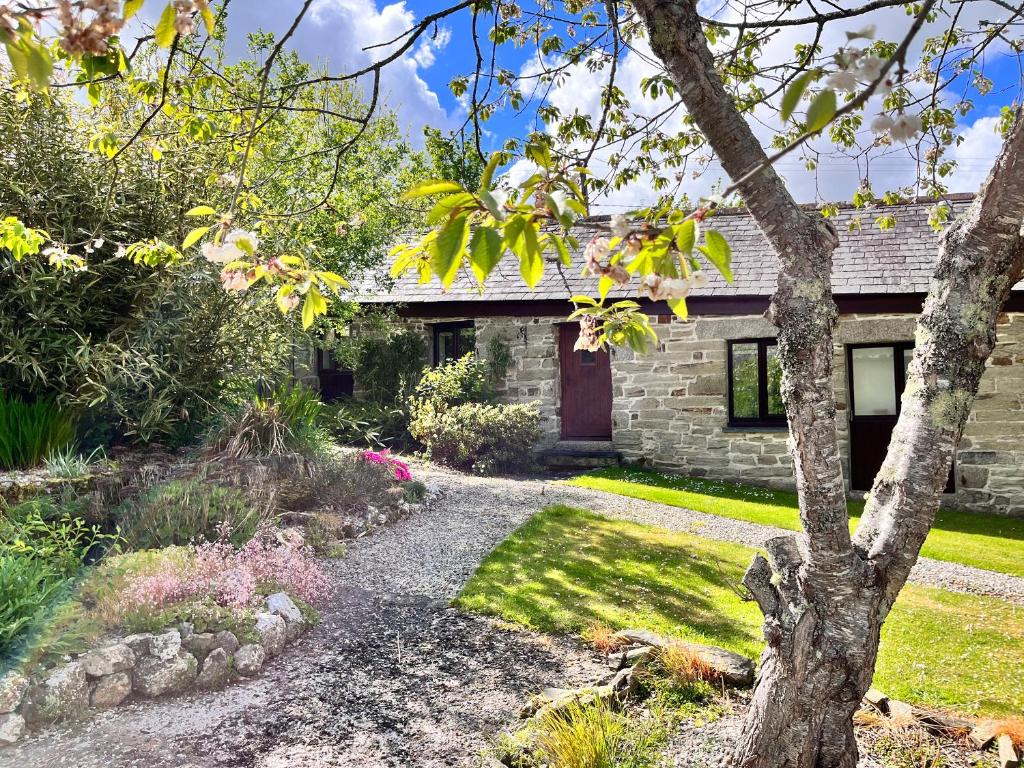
{"points": [[867, 261]]}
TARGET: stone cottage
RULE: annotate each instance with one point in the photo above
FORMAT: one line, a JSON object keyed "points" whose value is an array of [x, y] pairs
{"points": [[705, 400]]}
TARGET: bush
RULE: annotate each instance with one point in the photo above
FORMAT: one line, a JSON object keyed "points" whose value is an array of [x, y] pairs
{"points": [[340, 482], [181, 512], [368, 424], [283, 422], [486, 439], [43, 547], [466, 380], [29, 432], [388, 362]]}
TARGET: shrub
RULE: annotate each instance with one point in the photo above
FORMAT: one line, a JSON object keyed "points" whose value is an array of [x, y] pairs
{"points": [[185, 511], [279, 423], [486, 439], [232, 578], [29, 432], [399, 468], [388, 363], [340, 482], [368, 424], [26, 586], [466, 380]]}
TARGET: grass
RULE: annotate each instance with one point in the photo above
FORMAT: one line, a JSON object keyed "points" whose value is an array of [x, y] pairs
{"points": [[567, 569], [992, 542]]}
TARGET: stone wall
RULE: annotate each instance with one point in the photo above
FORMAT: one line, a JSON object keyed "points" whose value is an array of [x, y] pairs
{"points": [[670, 405]]}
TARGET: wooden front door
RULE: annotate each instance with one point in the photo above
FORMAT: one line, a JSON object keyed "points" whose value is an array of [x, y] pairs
{"points": [[877, 376], [586, 389]]}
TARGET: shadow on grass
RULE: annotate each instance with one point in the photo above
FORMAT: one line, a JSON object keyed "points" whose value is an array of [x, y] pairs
{"points": [[568, 568]]}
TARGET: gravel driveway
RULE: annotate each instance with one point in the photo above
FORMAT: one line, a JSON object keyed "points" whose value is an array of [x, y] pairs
{"points": [[393, 676]]}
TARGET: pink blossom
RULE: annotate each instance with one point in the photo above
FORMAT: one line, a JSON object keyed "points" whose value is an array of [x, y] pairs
{"points": [[399, 468]]}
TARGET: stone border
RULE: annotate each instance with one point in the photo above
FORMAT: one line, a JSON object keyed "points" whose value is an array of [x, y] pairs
{"points": [[143, 666]]}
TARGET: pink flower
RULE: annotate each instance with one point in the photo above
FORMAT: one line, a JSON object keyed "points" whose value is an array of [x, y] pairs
{"points": [[399, 468]]}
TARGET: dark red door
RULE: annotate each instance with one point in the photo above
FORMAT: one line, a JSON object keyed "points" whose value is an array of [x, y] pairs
{"points": [[586, 389]]}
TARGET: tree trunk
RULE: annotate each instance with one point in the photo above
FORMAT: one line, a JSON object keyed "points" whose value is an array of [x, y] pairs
{"points": [[823, 595]]}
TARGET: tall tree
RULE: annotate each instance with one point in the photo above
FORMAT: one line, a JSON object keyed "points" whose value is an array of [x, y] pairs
{"points": [[710, 84]]}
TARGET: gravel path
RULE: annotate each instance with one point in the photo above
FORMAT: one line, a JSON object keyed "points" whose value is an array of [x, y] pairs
{"points": [[393, 676]]}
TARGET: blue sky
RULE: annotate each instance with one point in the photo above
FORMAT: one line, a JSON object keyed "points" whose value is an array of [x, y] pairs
{"points": [[336, 31]]}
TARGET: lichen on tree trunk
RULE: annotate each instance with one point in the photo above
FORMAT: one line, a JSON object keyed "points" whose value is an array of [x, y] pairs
{"points": [[824, 595]]}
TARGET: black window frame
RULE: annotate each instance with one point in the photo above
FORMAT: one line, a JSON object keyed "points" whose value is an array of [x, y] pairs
{"points": [[438, 328], [899, 375], [763, 419]]}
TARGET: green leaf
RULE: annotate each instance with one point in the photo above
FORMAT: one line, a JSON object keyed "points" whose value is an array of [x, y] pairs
{"points": [[131, 7], [717, 249], [531, 261], [40, 65], [495, 202], [428, 188], [603, 286], [19, 60], [583, 299], [194, 237], [446, 250], [446, 206], [563, 252], [206, 14], [484, 252], [488, 174], [308, 315], [164, 32], [821, 111], [792, 95], [679, 307], [686, 236], [201, 210]]}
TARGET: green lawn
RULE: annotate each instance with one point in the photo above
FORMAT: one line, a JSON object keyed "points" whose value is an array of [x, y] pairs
{"points": [[567, 568], [984, 541]]}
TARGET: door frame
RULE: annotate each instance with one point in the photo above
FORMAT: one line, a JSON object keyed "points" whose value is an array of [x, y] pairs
{"points": [[900, 382]]}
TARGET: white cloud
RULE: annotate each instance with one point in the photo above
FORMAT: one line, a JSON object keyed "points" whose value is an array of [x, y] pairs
{"points": [[836, 176]]}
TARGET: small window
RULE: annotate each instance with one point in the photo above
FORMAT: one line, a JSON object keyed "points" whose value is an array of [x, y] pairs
{"points": [[587, 357], [755, 383], [453, 340]]}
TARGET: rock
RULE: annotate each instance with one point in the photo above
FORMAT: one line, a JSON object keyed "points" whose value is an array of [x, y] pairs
{"points": [[226, 640], [199, 645], [63, 695], [877, 700], [166, 646], [215, 671], [140, 644], [12, 690], [983, 734], [943, 724], [734, 669], [1007, 754], [111, 690], [155, 676], [249, 659], [271, 629], [284, 606], [106, 661], [185, 629], [12, 726], [901, 712], [641, 637]]}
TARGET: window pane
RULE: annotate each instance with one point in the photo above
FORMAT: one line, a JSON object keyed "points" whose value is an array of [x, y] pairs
{"points": [[445, 346], [467, 340], [587, 357], [874, 382], [744, 381], [775, 407]]}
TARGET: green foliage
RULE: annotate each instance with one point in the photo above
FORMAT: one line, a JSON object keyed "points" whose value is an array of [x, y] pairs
{"points": [[43, 546], [466, 380], [582, 736], [69, 463], [388, 364], [344, 482], [485, 439], [368, 425], [181, 512], [29, 432], [282, 422]]}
